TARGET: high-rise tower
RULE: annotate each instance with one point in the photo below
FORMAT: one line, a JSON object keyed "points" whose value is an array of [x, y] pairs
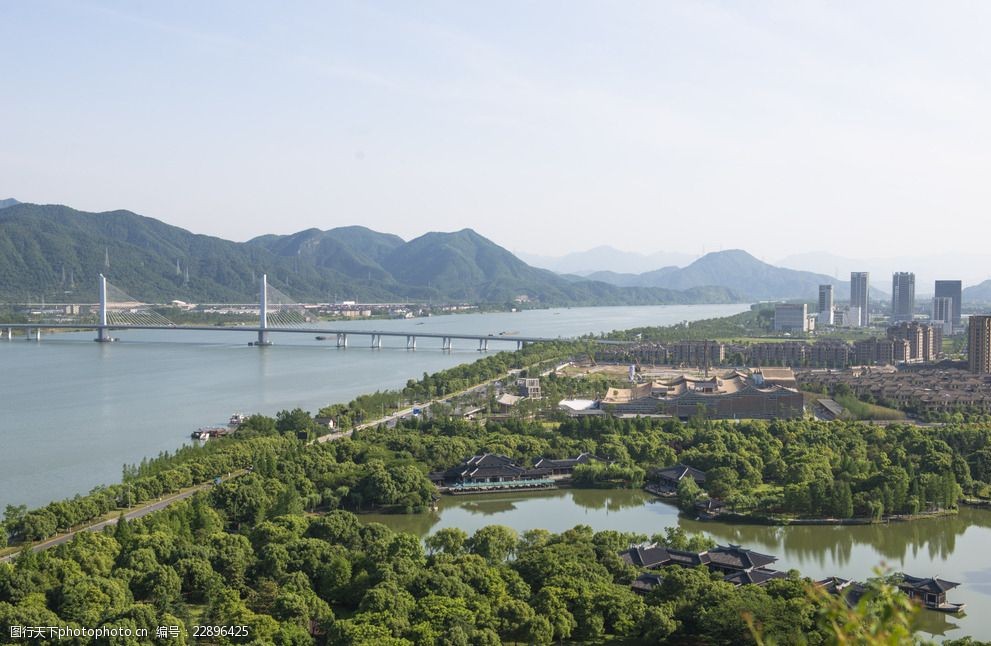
{"points": [[859, 287], [902, 296]]}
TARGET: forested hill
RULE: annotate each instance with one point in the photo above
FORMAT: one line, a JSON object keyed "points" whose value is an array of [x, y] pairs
{"points": [[56, 252]]}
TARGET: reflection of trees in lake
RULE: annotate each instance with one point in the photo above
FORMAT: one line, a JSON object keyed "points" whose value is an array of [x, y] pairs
{"points": [[495, 503], [609, 499], [824, 544], [488, 507], [416, 524]]}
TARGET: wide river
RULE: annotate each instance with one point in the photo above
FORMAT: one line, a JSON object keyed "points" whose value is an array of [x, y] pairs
{"points": [[73, 412], [953, 547]]}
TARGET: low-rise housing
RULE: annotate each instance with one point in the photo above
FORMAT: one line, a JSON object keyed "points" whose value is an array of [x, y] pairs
{"points": [[734, 395], [923, 390]]}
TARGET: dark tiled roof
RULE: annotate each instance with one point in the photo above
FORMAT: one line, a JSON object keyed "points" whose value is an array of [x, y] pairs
{"points": [[739, 558], [833, 584], [485, 466], [687, 559], [549, 463], [933, 585], [679, 471], [851, 591], [757, 576], [646, 556], [647, 582]]}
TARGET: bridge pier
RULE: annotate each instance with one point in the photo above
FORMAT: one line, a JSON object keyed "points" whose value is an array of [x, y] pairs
{"points": [[376, 341], [263, 313], [101, 332], [483, 345], [446, 343], [342, 340], [410, 342], [10, 333], [519, 345]]}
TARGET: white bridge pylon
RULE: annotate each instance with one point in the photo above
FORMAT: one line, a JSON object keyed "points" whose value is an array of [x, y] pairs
{"points": [[275, 309], [117, 309]]}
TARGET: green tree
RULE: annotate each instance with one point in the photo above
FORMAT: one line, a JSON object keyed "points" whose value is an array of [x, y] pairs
{"points": [[688, 493], [494, 543]]}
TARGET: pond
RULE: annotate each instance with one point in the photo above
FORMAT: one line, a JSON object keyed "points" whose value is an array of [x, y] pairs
{"points": [[951, 547]]}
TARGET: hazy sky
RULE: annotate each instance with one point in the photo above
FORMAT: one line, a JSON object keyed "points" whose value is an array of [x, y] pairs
{"points": [[778, 127]]}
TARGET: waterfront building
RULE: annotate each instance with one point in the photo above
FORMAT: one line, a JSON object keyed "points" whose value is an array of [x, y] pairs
{"points": [[791, 317], [902, 296], [930, 592], [859, 295], [490, 471], [952, 289], [669, 477], [825, 305], [979, 344], [564, 466]]}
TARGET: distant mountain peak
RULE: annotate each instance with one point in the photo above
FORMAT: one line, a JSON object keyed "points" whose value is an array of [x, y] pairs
{"points": [[8, 202]]}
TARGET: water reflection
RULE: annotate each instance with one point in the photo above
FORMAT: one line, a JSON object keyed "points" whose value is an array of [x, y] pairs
{"points": [[934, 539], [953, 547], [937, 624], [609, 499]]}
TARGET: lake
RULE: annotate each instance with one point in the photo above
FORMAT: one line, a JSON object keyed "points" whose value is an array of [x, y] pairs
{"points": [[950, 547]]}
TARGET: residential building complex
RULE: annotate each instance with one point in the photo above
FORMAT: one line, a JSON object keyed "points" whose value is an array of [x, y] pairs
{"points": [[979, 344]]}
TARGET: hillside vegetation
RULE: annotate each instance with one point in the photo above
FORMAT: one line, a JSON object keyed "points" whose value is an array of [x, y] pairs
{"points": [[56, 252]]}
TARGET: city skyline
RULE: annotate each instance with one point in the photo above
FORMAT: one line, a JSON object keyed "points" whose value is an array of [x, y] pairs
{"points": [[241, 119]]}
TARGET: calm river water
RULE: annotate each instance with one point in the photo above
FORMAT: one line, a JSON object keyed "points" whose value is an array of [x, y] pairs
{"points": [[953, 547], [73, 412]]}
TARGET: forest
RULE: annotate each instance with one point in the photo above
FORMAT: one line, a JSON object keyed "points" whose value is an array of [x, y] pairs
{"points": [[274, 553]]}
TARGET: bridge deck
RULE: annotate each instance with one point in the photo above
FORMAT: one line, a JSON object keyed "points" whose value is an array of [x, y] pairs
{"points": [[296, 330]]}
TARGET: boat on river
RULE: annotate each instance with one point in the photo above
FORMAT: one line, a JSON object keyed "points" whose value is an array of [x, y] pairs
{"points": [[236, 420]]}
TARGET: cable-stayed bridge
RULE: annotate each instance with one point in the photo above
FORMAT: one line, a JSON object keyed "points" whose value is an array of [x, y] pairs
{"points": [[277, 314]]}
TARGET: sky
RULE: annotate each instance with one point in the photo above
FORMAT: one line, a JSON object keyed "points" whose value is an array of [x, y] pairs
{"points": [[860, 129]]}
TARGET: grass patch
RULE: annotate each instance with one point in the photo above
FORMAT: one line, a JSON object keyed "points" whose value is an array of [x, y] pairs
{"points": [[862, 410]]}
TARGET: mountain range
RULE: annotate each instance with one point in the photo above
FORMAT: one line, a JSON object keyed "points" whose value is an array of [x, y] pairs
{"points": [[736, 270], [55, 252]]}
